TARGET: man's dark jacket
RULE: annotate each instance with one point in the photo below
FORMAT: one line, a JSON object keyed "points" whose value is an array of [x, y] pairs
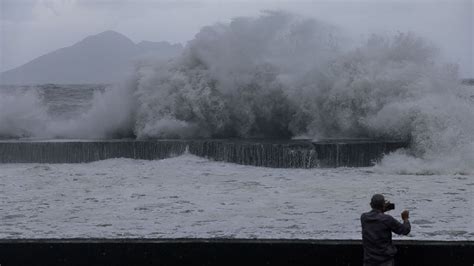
{"points": [[377, 229]]}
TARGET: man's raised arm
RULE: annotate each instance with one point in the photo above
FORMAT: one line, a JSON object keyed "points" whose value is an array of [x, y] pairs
{"points": [[399, 228]]}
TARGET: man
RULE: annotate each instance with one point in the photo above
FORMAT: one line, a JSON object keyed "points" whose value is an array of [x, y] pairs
{"points": [[377, 229]]}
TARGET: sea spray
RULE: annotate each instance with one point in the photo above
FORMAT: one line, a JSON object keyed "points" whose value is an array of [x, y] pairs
{"points": [[282, 76], [235, 80], [33, 112], [109, 116], [22, 114]]}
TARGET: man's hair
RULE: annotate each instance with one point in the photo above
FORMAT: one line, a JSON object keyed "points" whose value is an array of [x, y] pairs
{"points": [[377, 201]]}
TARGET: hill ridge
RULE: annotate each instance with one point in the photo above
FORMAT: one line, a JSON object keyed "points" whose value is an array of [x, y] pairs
{"points": [[106, 57]]}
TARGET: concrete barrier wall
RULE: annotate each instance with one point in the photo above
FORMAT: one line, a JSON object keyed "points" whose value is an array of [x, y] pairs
{"points": [[222, 252], [353, 153], [278, 154], [87, 151]]}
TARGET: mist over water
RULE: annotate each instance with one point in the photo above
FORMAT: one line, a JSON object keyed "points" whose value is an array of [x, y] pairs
{"points": [[64, 111], [280, 76]]}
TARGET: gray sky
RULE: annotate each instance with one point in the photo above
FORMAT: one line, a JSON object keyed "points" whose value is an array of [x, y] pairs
{"points": [[30, 28]]}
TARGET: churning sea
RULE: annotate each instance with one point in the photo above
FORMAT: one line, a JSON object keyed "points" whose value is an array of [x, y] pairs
{"points": [[189, 196]]}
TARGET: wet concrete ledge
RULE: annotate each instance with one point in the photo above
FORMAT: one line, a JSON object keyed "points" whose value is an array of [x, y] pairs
{"points": [[222, 252], [268, 153]]}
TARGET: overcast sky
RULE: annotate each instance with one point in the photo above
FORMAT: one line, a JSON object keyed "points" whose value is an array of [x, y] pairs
{"points": [[30, 28]]}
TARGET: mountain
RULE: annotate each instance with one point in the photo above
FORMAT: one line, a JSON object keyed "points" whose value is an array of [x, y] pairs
{"points": [[103, 58]]}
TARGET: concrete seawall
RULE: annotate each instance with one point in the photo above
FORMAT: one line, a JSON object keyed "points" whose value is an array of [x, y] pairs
{"points": [[278, 154], [87, 151], [222, 252]]}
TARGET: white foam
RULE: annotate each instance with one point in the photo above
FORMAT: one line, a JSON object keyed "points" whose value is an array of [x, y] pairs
{"points": [[188, 196], [23, 114], [279, 75]]}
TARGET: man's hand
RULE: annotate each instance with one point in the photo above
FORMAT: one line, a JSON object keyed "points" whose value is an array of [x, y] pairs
{"points": [[405, 215]]}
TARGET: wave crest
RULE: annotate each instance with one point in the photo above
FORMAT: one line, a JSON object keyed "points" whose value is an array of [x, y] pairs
{"points": [[281, 76]]}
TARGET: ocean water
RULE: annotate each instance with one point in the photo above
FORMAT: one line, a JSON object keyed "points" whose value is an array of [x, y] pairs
{"points": [[62, 112], [59, 100], [298, 79], [272, 76], [189, 196]]}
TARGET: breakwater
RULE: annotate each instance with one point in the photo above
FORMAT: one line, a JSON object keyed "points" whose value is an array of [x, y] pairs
{"points": [[268, 153], [222, 252]]}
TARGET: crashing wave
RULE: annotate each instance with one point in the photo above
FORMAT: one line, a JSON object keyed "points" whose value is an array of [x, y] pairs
{"points": [[282, 76]]}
